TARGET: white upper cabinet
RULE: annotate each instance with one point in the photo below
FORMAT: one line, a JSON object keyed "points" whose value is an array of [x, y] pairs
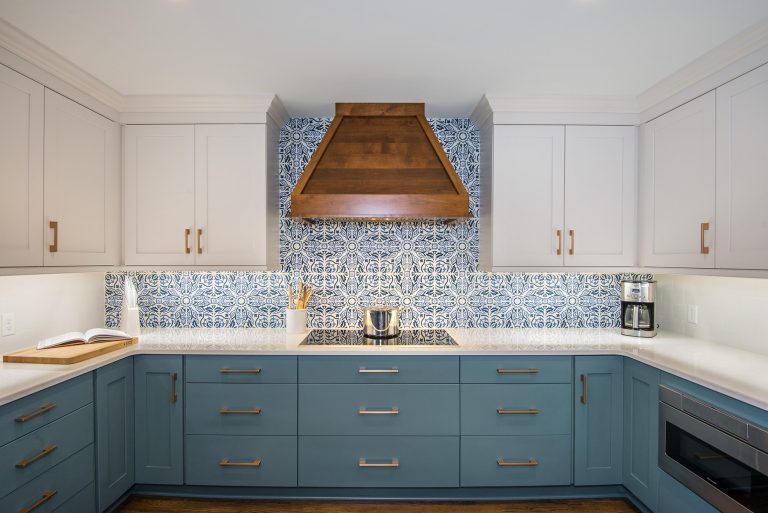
{"points": [[677, 187], [159, 193], [528, 188], [230, 206], [21, 170], [600, 178], [742, 172], [82, 185]]}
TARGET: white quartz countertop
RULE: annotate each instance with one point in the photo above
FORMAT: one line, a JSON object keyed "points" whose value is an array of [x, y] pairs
{"points": [[735, 372]]}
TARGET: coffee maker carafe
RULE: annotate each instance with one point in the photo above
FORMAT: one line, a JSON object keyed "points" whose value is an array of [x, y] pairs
{"points": [[637, 308]]}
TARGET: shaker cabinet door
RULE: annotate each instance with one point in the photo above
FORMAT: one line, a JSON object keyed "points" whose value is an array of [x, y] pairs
{"points": [[159, 194], [21, 166]]}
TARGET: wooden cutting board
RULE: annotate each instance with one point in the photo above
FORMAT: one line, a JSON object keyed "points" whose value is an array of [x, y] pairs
{"points": [[68, 354]]}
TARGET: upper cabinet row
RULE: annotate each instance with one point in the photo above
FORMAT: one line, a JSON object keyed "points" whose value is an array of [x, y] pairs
{"points": [[704, 180]]}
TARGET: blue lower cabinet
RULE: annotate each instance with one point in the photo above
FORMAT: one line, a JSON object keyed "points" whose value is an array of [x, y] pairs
{"points": [[379, 461], [540, 409], [598, 420], [379, 368], [379, 409], [216, 460], [641, 432], [50, 490], [159, 399], [240, 369], [674, 497], [114, 431], [241, 409], [83, 501], [515, 460], [516, 369]]}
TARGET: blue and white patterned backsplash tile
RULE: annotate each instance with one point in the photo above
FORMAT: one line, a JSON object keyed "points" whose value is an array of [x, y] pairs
{"points": [[427, 268]]}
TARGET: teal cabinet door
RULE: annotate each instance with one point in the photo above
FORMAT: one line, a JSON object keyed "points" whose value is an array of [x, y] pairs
{"points": [[114, 431], [598, 421], [159, 419], [641, 432], [674, 497]]}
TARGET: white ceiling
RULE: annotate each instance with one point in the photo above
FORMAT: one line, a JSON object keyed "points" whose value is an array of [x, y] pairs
{"points": [[445, 52]]}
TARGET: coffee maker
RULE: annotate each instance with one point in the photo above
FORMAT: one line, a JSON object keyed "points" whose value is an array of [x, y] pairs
{"points": [[637, 308]]}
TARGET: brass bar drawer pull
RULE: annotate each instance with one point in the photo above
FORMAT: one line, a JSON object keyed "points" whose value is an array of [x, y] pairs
{"points": [[530, 463], [227, 463], [187, 249], [392, 464], [704, 247], [572, 233], [42, 454], [227, 411], [363, 370], [174, 377], [393, 411], [39, 411], [559, 242], [54, 225], [517, 371], [583, 397], [530, 411], [240, 371], [199, 243], [47, 495]]}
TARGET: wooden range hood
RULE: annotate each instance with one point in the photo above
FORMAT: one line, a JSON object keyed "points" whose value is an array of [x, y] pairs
{"points": [[379, 161]]}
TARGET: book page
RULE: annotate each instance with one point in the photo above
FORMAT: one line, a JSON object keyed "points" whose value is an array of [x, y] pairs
{"points": [[73, 337], [104, 334]]}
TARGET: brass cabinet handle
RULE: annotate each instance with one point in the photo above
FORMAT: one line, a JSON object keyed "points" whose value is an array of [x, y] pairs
{"points": [[199, 244], [517, 371], [530, 463], [529, 411], [392, 464], [572, 233], [363, 370], [187, 231], [227, 463], [54, 225], [583, 397], [559, 242], [227, 411], [47, 495], [174, 377], [240, 371], [704, 248], [393, 411], [29, 416], [42, 454]]}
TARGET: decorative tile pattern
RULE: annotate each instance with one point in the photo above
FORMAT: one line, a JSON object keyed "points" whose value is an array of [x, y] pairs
{"points": [[426, 267]]}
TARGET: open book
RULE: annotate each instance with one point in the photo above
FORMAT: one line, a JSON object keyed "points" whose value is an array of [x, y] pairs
{"points": [[89, 337]]}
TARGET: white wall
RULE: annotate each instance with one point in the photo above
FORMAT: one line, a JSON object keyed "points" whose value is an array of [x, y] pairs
{"points": [[732, 311], [48, 304]]}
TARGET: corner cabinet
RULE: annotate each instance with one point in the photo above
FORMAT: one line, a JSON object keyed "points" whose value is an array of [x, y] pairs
{"points": [[159, 399], [114, 432], [598, 420], [201, 195]]}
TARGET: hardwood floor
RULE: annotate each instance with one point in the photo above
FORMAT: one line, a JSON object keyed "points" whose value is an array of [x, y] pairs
{"points": [[139, 504]]}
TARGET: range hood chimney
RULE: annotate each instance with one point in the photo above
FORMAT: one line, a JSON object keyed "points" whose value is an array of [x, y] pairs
{"points": [[379, 161]]}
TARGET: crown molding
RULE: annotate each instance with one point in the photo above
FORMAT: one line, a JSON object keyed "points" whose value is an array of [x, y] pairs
{"points": [[556, 103], [197, 103]]}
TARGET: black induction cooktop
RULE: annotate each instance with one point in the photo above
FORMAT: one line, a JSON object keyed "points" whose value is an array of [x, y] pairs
{"points": [[356, 338]]}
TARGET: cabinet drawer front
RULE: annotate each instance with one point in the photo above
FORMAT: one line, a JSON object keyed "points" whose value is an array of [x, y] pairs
{"points": [[25, 415], [515, 409], [515, 460], [54, 487], [379, 461], [379, 409], [216, 409], [240, 369], [379, 369], [82, 502], [516, 369], [240, 460], [29, 456]]}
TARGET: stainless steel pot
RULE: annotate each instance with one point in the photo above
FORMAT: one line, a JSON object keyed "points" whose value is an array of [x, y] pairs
{"points": [[381, 322]]}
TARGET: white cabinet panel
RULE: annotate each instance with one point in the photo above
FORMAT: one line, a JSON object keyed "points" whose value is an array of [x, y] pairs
{"points": [[742, 172], [677, 184], [230, 184], [159, 195], [82, 184], [600, 176], [528, 188], [21, 170]]}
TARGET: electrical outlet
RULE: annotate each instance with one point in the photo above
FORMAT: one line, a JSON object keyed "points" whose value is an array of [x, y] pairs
{"points": [[693, 314], [9, 324]]}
